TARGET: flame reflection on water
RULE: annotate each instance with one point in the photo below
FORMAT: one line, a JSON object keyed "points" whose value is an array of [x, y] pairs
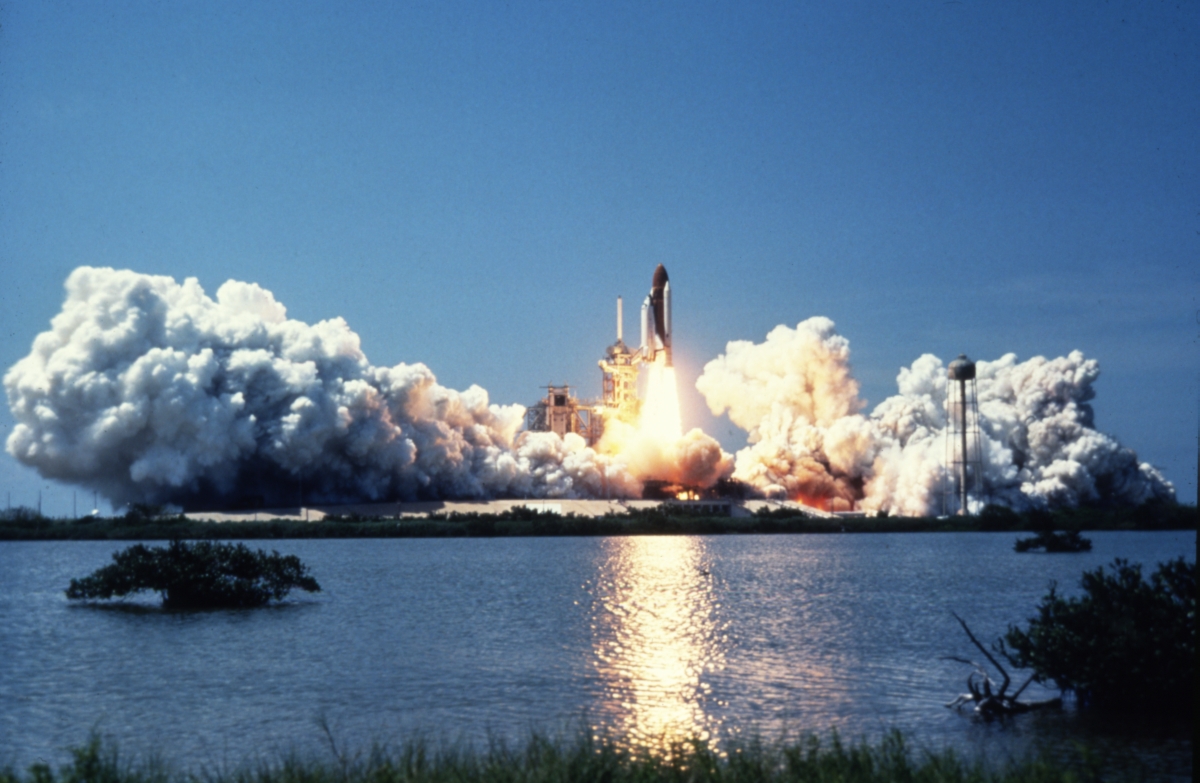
{"points": [[657, 636]]}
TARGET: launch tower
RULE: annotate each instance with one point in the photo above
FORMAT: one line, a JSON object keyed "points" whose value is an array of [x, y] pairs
{"points": [[619, 374]]}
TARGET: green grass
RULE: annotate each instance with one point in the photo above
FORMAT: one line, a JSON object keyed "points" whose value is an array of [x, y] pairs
{"points": [[584, 760]]}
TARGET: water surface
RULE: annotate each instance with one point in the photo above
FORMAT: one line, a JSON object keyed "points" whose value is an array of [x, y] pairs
{"points": [[647, 638]]}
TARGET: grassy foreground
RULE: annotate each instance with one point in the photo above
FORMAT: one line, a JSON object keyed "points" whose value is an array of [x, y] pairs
{"points": [[22, 525], [583, 761]]}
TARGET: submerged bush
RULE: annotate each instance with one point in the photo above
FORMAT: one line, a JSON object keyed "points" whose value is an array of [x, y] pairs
{"points": [[1048, 540], [201, 575], [1125, 644]]}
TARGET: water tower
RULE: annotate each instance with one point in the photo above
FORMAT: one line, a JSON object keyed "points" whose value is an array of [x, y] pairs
{"points": [[964, 460]]}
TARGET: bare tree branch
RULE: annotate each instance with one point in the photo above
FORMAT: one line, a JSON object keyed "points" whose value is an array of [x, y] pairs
{"points": [[1023, 687], [988, 655], [989, 701]]}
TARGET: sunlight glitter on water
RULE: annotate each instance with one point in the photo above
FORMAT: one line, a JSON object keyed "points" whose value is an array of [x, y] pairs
{"points": [[657, 636]]}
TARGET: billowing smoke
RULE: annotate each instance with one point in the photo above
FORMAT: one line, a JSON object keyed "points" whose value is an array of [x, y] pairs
{"points": [[148, 390], [693, 459], [795, 396]]}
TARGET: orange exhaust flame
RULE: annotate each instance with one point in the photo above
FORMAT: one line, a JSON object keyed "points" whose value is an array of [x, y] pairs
{"points": [[660, 419], [830, 503], [656, 449], [810, 500]]}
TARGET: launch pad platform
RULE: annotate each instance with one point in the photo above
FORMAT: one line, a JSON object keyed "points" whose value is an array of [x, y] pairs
{"points": [[579, 508]]}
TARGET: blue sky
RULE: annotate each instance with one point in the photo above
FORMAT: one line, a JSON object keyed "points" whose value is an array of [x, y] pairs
{"points": [[471, 185]]}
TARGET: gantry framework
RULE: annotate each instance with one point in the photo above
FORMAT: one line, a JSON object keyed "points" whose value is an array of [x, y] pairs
{"points": [[562, 412]]}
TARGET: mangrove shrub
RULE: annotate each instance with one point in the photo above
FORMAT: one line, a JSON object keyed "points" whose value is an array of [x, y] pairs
{"points": [[200, 575], [1126, 643], [1049, 541]]}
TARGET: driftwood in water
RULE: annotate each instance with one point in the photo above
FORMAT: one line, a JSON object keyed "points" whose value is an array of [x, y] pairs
{"points": [[992, 699]]}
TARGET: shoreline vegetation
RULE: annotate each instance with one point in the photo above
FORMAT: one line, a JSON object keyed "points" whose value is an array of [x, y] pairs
{"points": [[144, 523], [584, 759]]}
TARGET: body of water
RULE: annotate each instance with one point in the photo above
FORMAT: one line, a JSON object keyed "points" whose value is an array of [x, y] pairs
{"points": [[647, 638]]}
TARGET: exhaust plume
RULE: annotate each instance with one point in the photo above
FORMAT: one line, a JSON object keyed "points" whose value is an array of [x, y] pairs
{"points": [[148, 390], [795, 396]]}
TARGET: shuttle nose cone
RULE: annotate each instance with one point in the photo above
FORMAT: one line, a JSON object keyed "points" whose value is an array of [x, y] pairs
{"points": [[660, 277]]}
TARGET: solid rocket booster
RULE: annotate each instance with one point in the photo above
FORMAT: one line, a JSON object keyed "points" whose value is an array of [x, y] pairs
{"points": [[656, 318]]}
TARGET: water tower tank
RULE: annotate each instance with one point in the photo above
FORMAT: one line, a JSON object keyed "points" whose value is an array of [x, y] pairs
{"points": [[961, 369]]}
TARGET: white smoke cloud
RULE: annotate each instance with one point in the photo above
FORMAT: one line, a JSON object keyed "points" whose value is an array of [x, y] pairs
{"points": [[148, 390], [798, 402], [795, 396]]}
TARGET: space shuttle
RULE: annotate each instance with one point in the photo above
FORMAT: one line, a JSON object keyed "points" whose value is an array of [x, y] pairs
{"points": [[656, 319]]}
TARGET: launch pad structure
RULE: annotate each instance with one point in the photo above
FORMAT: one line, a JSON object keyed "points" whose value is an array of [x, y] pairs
{"points": [[725, 507], [561, 412]]}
